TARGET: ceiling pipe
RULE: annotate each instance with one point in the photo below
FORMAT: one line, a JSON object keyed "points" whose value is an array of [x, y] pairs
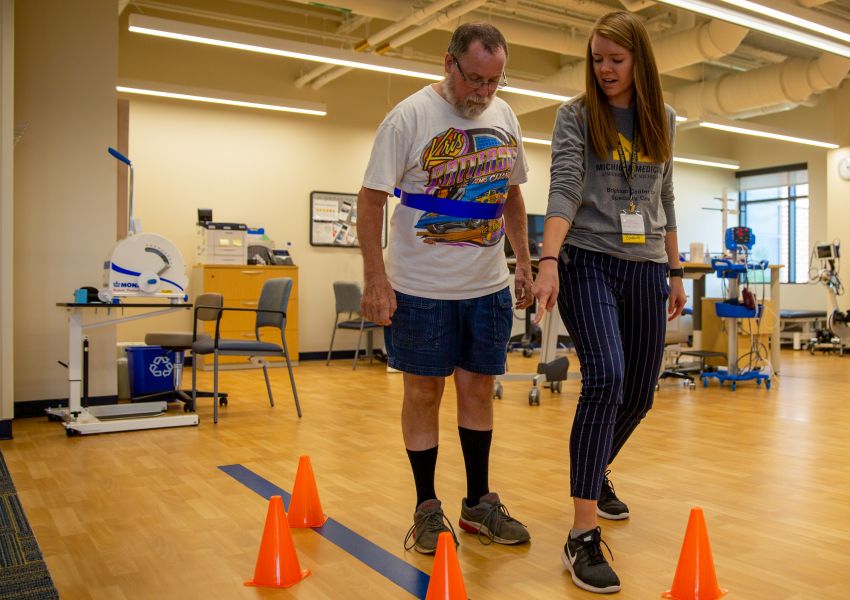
{"points": [[417, 16], [531, 35], [793, 81], [636, 5], [587, 7], [397, 42], [574, 14], [812, 3], [674, 51]]}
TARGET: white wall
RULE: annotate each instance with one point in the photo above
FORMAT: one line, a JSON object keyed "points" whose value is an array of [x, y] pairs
{"points": [[258, 168], [65, 183], [252, 167], [838, 190]]}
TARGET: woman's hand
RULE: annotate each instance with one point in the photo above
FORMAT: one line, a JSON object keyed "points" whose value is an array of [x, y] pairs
{"points": [[545, 288], [677, 299]]}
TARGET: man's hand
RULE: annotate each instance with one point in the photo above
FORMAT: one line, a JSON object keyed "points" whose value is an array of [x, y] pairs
{"points": [[545, 288], [677, 299], [522, 285], [378, 301]]}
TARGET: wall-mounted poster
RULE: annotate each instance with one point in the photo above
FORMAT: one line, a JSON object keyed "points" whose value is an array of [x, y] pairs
{"points": [[333, 220]]}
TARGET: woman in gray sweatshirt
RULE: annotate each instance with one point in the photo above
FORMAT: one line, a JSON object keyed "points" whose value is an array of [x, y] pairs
{"points": [[609, 248]]}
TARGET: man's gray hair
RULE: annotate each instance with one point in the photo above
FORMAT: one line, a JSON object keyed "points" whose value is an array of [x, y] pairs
{"points": [[490, 37]]}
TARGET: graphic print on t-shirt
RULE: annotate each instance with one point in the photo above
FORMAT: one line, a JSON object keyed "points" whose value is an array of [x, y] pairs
{"points": [[471, 165], [646, 173]]}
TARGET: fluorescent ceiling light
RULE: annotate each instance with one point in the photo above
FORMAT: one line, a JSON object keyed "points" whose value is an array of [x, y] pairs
{"points": [[536, 140], [681, 119], [703, 162], [250, 42], [760, 131], [219, 97], [774, 29], [789, 18], [719, 164]]}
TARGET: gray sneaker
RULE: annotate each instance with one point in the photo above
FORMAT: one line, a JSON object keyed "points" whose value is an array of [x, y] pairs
{"points": [[428, 523], [492, 522]]}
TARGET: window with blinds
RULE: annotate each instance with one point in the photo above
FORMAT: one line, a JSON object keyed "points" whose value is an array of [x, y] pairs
{"points": [[775, 204]]}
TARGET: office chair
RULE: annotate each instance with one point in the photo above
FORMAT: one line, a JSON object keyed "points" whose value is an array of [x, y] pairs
{"points": [[206, 309], [677, 335], [347, 296], [270, 312]]}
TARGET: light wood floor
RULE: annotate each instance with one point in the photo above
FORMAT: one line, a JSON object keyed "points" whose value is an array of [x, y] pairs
{"points": [[149, 514]]}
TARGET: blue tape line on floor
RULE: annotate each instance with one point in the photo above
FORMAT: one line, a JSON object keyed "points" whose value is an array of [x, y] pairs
{"points": [[396, 570]]}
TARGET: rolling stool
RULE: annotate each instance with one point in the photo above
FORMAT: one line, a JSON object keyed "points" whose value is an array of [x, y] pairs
{"points": [[206, 306]]}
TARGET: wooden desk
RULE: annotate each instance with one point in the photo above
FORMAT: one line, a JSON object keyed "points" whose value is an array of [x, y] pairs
{"points": [[697, 272]]}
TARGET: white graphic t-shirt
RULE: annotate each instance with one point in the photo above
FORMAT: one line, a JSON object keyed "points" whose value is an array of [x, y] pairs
{"points": [[424, 147]]}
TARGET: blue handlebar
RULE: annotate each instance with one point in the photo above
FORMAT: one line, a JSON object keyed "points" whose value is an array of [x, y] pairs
{"points": [[120, 156]]}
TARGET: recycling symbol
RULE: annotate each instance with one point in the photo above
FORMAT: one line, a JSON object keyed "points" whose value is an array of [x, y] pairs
{"points": [[161, 366]]}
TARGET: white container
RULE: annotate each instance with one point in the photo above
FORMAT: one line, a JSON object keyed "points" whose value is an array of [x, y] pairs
{"points": [[697, 252]]}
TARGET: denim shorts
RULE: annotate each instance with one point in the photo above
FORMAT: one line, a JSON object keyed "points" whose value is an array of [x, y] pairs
{"points": [[432, 337]]}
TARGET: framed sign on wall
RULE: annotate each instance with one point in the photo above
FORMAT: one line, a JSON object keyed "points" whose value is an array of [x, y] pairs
{"points": [[333, 220]]}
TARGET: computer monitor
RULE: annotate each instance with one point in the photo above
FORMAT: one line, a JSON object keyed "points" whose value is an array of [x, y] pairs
{"points": [[535, 236], [825, 251]]}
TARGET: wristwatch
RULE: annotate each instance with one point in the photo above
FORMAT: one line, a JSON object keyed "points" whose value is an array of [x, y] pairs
{"points": [[679, 272]]}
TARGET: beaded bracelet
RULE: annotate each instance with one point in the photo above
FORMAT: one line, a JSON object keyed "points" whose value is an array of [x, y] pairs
{"points": [[542, 258]]}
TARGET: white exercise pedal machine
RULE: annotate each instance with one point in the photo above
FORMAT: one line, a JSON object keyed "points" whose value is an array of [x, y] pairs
{"points": [[143, 268]]}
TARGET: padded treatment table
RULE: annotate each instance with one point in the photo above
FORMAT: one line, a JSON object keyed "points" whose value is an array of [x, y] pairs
{"points": [[794, 324]]}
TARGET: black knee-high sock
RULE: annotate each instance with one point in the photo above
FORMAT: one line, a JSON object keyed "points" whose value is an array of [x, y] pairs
{"points": [[476, 458], [424, 464]]}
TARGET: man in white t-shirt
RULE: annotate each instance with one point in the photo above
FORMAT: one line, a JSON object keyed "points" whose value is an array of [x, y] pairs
{"points": [[452, 153]]}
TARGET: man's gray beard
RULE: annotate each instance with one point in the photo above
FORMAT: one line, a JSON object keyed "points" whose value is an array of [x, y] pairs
{"points": [[468, 108]]}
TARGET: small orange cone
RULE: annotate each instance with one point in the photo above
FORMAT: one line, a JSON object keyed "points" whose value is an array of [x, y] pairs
{"points": [[277, 562], [446, 578], [695, 578], [305, 510]]}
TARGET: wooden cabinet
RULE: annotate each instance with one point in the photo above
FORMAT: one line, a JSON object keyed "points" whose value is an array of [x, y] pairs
{"points": [[240, 285]]}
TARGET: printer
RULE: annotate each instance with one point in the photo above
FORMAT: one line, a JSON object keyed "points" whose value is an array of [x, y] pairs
{"points": [[221, 243]]}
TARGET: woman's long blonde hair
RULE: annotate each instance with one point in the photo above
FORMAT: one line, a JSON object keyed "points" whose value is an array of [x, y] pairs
{"points": [[626, 30]]}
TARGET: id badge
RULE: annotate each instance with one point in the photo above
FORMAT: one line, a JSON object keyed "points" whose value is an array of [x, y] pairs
{"points": [[633, 229]]}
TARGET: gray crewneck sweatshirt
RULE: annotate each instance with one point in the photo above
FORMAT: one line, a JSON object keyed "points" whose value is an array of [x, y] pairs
{"points": [[591, 193]]}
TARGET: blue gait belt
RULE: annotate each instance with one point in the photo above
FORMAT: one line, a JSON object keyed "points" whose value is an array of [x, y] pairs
{"points": [[451, 208]]}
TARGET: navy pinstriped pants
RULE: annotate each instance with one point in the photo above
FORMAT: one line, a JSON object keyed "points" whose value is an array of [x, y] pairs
{"points": [[616, 313]]}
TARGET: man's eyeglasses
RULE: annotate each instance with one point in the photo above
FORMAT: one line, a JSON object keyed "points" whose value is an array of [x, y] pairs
{"points": [[477, 83]]}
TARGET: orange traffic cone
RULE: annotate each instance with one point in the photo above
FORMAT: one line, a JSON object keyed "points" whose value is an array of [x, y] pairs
{"points": [[446, 578], [277, 562], [305, 510], [695, 578]]}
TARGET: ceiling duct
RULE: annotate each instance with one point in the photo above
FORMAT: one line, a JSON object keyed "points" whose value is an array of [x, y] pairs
{"points": [[707, 41], [794, 80], [414, 18], [531, 35], [398, 41]]}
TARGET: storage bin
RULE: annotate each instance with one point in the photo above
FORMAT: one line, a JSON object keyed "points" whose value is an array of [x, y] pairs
{"points": [[151, 370]]}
